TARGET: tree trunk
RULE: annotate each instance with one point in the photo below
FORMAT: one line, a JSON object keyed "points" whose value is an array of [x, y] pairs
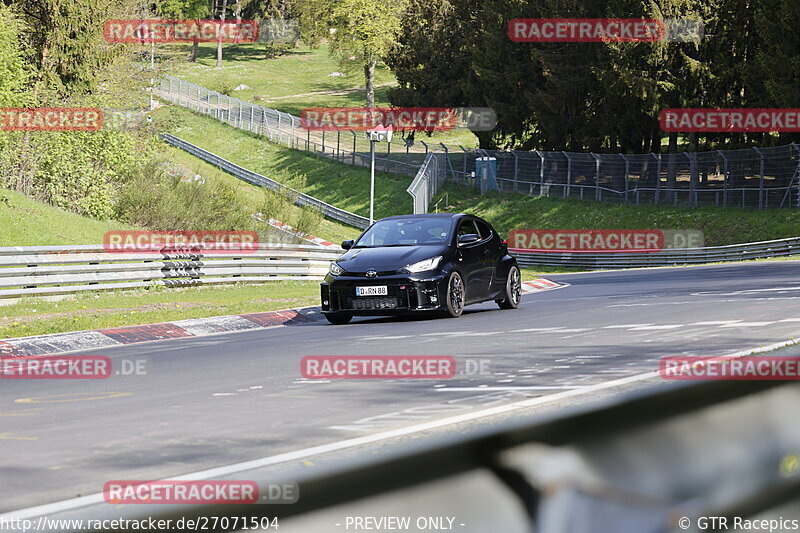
{"points": [[369, 78], [193, 54], [219, 36]]}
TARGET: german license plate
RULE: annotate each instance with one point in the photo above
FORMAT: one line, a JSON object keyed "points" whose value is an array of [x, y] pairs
{"points": [[381, 290]]}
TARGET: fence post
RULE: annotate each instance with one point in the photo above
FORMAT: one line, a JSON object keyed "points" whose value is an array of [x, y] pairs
{"points": [[569, 174], [627, 174], [198, 98], [323, 142], [171, 97], [761, 178], [338, 141], [465, 162], [426, 147], [794, 145], [658, 178], [279, 126], [541, 172], [516, 171], [292, 140], [354, 146], [252, 111], [724, 178], [596, 176]]}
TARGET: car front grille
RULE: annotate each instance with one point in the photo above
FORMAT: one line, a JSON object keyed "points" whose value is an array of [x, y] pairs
{"points": [[364, 303], [345, 299]]}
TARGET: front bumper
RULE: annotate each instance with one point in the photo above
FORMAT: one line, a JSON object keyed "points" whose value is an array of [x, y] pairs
{"points": [[407, 293]]}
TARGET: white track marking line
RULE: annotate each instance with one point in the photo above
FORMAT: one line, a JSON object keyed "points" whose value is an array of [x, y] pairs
{"points": [[522, 387], [83, 501], [665, 326], [747, 324], [534, 329], [790, 320], [714, 323], [626, 326]]}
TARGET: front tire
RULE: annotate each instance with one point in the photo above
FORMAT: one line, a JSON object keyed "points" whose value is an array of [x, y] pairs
{"points": [[456, 296], [513, 292], [338, 318]]}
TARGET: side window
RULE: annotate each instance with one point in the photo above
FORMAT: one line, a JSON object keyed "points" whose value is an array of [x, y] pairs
{"points": [[466, 227], [483, 228]]}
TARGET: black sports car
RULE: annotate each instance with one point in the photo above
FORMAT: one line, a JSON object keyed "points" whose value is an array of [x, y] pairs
{"points": [[413, 263]]}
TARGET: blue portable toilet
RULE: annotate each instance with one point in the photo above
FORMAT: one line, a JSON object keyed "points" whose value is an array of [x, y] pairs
{"points": [[486, 171]]}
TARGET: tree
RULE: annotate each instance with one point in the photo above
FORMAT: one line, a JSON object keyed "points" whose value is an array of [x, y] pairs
{"points": [[361, 32], [185, 9], [15, 72]]}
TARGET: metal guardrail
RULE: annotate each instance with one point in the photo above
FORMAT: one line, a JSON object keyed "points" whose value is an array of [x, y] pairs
{"points": [[254, 178], [52, 270], [629, 464], [670, 257]]}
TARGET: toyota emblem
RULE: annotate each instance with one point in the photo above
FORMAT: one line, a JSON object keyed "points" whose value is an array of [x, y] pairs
{"points": [[371, 273]]}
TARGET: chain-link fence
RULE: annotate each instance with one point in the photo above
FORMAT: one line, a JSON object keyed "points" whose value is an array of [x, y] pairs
{"points": [[756, 177]]}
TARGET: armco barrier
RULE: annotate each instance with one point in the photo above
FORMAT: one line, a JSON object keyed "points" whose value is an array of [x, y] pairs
{"points": [[254, 178], [670, 257], [51, 270], [641, 463]]}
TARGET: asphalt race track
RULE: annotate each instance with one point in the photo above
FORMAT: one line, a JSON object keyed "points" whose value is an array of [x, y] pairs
{"points": [[215, 401]]}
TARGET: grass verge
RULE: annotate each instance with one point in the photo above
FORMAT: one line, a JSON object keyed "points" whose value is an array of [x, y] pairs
{"points": [[347, 187], [28, 222], [34, 316]]}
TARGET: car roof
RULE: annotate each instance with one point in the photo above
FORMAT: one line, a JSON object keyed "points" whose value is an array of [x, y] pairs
{"points": [[428, 215]]}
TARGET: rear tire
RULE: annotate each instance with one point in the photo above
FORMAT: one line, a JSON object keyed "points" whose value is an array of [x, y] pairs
{"points": [[455, 296], [338, 318], [513, 292]]}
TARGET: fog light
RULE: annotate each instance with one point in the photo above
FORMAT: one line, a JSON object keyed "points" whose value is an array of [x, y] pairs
{"points": [[434, 299], [324, 302]]}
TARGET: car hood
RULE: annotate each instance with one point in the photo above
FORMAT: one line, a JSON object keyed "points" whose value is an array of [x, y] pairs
{"points": [[387, 258]]}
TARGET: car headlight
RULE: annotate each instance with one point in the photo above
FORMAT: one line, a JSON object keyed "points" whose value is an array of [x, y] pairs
{"points": [[335, 269], [422, 266]]}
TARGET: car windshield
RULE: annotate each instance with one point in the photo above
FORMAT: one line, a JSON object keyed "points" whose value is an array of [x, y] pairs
{"points": [[406, 232]]}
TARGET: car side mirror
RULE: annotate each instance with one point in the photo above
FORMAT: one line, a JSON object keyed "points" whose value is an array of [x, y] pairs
{"points": [[347, 244], [468, 238]]}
